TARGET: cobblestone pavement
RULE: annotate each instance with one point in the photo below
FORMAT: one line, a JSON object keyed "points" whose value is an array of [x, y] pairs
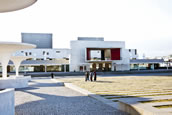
{"points": [[44, 97]]}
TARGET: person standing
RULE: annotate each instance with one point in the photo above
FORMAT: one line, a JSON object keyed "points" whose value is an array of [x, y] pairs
{"points": [[52, 75], [95, 76], [91, 76], [86, 75]]}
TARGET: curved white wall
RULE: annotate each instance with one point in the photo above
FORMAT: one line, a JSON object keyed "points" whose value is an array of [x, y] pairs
{"points": [[12, 5], [7, 102]]}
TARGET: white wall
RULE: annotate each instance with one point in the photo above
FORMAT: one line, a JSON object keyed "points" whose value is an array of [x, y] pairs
{"points": [[78, 52], [52, 53], [18, 82], [7, 102], [132, 54], [124, 64]]}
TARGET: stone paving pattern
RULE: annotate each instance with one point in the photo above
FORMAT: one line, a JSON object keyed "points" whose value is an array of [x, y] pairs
{"points": [[44, 97]]}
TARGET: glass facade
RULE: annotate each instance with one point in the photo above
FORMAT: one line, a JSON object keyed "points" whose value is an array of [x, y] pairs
{"points": [[39, 68]]}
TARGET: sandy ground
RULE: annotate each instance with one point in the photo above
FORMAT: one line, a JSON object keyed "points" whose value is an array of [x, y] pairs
{"points": [[125, 85]]}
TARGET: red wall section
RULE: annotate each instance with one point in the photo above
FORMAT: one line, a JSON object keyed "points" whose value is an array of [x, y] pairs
{"points": [[115, 54], [88, 54]]}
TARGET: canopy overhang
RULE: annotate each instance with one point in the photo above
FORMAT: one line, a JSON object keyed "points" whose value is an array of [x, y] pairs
{"points": [[13, 5]]}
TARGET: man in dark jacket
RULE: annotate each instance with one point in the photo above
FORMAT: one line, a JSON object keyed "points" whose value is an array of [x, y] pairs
{"points": [[95, 76], [91, 76], [52, 75]]}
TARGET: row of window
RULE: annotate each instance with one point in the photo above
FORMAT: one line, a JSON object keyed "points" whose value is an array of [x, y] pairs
{"points": [[134, 51], [44, 52], [28, 53]]}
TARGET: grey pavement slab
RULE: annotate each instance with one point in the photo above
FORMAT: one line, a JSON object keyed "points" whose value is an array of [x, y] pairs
{"points": [[145, 108], [45, 97]]}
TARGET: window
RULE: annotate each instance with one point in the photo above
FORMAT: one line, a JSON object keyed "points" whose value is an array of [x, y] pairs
{"points": [[129, 50], [39, 59], [43, 52], [47, 53], [57, 51], [65, 58], [22, 51], [29, 59], [135, 52], [30, 53], [26, 53]]}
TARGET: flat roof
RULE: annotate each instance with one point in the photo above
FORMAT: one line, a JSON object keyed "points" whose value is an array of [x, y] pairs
{"points": [[137, 61], [91, 38]]}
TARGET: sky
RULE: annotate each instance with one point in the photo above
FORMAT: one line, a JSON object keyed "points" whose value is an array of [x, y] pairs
{"points": [[145, 25]]}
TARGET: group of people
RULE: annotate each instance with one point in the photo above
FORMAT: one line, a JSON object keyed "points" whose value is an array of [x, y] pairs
{"points": [[90, 76]]}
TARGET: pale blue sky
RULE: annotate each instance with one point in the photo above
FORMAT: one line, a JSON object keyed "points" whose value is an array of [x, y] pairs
{"points": [[143, 24]]}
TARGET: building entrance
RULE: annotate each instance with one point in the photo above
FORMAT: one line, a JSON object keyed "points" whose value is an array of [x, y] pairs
{"points": [[100, 67]]}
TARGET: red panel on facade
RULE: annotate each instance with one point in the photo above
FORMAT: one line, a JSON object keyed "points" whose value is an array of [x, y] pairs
{"points": [[115, 54], [88, 54]]}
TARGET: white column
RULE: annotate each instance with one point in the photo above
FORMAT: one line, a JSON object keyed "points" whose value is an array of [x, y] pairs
{"points": [[45, 68], [17, 69], [64, 67], [17, 65], [25, 69], [4, 70], [167, 65], [112, 67], [4, 62], [87, 67], [17, 61], [83, 68], [138, 67]]}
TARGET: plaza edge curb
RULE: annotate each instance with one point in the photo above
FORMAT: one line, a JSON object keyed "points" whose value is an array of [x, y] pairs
{"points": [[87, 93], [122, 106]]}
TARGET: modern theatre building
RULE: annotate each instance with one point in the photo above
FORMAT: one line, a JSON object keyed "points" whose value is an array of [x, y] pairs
{"points": [[85, 54], [96, 54]]}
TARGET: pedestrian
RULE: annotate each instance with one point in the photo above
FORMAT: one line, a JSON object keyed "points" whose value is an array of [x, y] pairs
{"points": [[52, 75], [95, 76], [86, 75], [91, 76]]}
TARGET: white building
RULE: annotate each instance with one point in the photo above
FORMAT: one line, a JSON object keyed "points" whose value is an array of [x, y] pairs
{"points": [[45, 60], [97, 54], [85, 54]]}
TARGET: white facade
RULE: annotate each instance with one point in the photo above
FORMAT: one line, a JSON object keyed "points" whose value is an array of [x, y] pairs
{"points": [[45, 53], [79, 54], [76, 56], [44, 60], [133, 53]]}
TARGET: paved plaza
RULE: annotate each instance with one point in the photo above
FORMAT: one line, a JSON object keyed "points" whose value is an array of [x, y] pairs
{"points": [[143, 92], [45, 97]]}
